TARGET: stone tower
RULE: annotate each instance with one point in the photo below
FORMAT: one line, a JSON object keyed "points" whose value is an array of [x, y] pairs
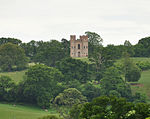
{"points": [[78, 47]]}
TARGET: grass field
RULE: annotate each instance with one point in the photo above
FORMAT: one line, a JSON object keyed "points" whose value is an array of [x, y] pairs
{"points": [[8, 111], [16, 76]]}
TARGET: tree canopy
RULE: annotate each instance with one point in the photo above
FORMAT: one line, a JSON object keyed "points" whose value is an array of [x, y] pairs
{"points": [[50, 52], [41, 84], [12, 57], [70, 97], [114, 108], [74, 69], [113, 84], [10, 40]]}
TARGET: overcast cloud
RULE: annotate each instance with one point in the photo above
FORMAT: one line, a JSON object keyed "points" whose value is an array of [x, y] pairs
{"points": [[115, 20]]}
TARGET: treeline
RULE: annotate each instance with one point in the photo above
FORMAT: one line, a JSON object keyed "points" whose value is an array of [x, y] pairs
{"points": [[58, 80], [15, 55], [52, 51], [68, 84], [106, 108]]}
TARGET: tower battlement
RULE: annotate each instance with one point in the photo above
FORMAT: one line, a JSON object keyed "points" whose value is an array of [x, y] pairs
{"points": [[72, 37]]}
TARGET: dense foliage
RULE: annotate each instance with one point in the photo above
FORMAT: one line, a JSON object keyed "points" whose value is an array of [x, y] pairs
{"points": [[59, 79], [70, 97], [10, 40], [131, 71], [74, 69], [110, 108], [6, 84], [41, 85], [113, 84], [49, 53], [50, 117], [142, 49], [12, 57]]}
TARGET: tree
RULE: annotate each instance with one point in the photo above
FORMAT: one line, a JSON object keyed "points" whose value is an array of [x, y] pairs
{"points": [[127, 43], [94, 38], [90, 91], [49, 53], [112, 52], [6, 84], [75, 111], [129, 48], [113, 84], [98, 59], [41, 85], [133, 74], [66, 47], [131, 71], [94, 42], [142, 49], [106, 108], [141, 110], [70, 97], [30, 48], [113, 108], [10, 40], [12, 57]]}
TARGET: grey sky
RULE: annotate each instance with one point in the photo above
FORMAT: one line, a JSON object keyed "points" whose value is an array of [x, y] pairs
{"points": [[115, 20]]}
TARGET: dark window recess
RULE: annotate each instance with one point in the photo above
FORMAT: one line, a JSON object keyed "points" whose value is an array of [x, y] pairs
{"points": [[78, 54], [78, 46]]}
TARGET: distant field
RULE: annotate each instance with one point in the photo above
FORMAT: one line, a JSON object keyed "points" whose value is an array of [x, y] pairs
{"points": [[8, 111], [16, 76], [136, 59]]}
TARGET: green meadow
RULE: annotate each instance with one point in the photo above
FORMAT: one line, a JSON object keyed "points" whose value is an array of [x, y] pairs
{"points": [[16, 76], [9, 111]]}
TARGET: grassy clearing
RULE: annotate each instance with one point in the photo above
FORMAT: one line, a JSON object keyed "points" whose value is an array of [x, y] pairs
{"points": [[8, 111], [84, 59], [16, 76]]}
